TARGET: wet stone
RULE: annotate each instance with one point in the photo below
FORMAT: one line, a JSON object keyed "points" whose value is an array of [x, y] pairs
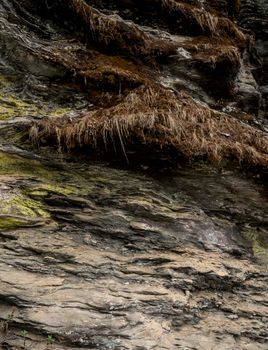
{"points": [[113, 276], [98, 257]]}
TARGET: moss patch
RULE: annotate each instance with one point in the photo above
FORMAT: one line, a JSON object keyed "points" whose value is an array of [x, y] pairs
{"points": [[10, 222], [50, 179], [12, 105], [16, 165], [258, 240], [21, 205], [18, 210]]}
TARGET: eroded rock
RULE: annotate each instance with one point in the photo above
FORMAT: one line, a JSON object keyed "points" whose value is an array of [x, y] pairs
{"points": [[98, 258], [134, 262]]}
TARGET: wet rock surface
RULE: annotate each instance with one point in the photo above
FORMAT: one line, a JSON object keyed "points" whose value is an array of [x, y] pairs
{"points": [[254, 16], [98, 257], [110, 259]]}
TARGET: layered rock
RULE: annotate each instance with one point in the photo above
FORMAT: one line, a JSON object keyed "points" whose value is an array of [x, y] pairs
{"points": [[254, 16], [97, 258]]}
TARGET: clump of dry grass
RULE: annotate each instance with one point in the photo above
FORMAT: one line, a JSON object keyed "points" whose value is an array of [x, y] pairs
{"points": [[99, 69], [214, 51], [112, 32], [150, 114], [94, 69], [207, 22], [162, 118]]}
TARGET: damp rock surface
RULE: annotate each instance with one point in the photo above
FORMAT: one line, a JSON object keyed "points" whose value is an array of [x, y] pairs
{"points": [[133, 251], [111, 259]]}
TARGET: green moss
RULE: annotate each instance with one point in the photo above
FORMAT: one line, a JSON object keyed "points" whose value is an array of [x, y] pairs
{"points": [[59, 111], [12, 223], [19, 210], [258, 240], [49, 178], [12, 105], [37, 192], [44, 189], [17, 138], [21, 205], [16, 165], [4, 81]]}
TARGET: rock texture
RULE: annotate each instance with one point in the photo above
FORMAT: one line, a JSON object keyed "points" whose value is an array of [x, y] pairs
{"points": [[112, 260], [254, 16], [197, 47], [98, 257]]}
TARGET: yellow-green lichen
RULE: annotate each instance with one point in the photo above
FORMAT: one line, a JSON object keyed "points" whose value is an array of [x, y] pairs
{"points": [[12, 106], [15, 165], [18, 210], [49, 178], [258, 242], [12, 223], [44, 189], [4, 81], [21, 205]]}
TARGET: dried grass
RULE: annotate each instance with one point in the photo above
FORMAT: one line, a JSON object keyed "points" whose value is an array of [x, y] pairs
{"points": [[112, 32], [161, 118], [207, 22], [214, 52], [151, 114]]}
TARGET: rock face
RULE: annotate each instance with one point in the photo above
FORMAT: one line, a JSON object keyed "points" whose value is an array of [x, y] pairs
{"points": [[113, 260], [254, 16], [95, 256]]}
